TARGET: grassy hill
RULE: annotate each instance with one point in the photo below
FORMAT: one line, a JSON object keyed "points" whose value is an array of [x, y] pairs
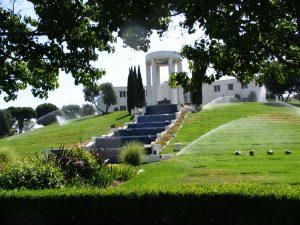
{"points": [[210, 138], [73, 131]]}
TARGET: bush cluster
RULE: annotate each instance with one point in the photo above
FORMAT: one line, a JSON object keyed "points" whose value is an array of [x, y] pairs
{"points": [[30, 175], [68, 168], [206, 204]]}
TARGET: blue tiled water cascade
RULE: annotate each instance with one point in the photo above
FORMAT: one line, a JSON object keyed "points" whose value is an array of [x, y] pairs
{"points": [[161, 109], [145, 130], [139, 131], [149, 124]]}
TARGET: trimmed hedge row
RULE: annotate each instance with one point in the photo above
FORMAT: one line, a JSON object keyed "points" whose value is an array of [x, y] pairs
{"points": [[214, 205]]}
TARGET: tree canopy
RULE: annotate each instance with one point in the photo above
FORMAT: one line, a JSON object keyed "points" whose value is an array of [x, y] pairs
{"points": [[5, 124], [70, 111], [44, 109], [108, 95], [242, 38], [21, 114], [66, 35], [275, 84]]}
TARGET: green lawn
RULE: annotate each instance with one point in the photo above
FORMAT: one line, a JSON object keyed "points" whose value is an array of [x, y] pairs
{"points": [[210, 138], [75, 131]]}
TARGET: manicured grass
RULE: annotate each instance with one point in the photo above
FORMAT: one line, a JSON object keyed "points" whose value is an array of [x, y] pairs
{"points": [[74, 131], [220, 131]]}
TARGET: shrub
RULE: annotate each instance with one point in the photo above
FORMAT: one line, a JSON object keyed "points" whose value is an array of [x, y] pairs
{"points": [[123, 172], [132, 154], [102, 177], [76, 163], [30, 175]]}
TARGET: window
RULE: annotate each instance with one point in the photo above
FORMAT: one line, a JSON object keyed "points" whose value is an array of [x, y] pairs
{"points": [[123, 107], [122, 94], [217, 88], [230, 87], [244, 86]]}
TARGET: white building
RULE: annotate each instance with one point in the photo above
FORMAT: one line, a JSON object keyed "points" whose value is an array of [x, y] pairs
{"points": [[231, 87], [220, 88], [157, 91]]}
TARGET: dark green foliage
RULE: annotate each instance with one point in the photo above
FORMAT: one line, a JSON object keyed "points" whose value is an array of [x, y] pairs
{"points": [[132, 154], [30, 175], [108, 95], [103, 177], [70, 111], [49, 118], [222, 205], [141, 100], [279, 80], [135, 89], [130, 91], [196, 89], [76, 163], [44, 109], [5, 124], [21, 114], [87, 110]]}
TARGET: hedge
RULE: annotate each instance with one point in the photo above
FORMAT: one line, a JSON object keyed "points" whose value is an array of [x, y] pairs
{"points": [[214, 205]]}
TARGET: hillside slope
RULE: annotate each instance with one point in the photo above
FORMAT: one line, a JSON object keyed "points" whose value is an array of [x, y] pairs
{"points": [[74, 131], [211, 137]]}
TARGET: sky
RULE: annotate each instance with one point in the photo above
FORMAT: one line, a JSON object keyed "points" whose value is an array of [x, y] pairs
{"points": [[116, 65]]}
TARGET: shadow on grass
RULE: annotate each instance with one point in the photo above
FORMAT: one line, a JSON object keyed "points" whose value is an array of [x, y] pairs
{"points": [[276, 104], [295, 104], [122, 117], [89, 117]]}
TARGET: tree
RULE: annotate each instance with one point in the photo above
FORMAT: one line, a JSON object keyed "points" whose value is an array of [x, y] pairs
{"points": [[21, 114], [46, 114], [87, 110], [91, 94], [5, 124], [135, 89], [66, 36], [196, 89], [141, 101], [108, 96], [130, 91], [242, 37], [71, 111], [276, 85], [44, 109]]}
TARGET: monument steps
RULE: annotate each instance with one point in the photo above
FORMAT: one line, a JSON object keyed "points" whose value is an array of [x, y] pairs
{"points": [[145, 130]]}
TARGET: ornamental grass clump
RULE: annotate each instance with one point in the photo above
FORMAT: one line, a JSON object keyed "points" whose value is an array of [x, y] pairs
{"points": [[132, 154]]}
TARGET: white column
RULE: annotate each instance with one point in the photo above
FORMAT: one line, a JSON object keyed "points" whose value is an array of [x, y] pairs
{"points": [[173, 91], [179, 66], [154, 82], [158, 83], [148, 78]]}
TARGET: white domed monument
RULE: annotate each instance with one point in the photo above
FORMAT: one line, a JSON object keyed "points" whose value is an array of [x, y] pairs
{"points": [[157, 91]]}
